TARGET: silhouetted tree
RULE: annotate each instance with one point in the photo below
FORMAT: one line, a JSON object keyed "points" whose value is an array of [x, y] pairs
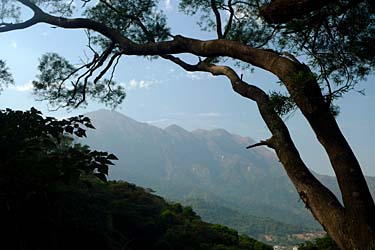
{"points": [[54, 195]]}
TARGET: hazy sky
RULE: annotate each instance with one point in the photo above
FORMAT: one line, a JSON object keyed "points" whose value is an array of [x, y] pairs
{"points": [[161, 93]]}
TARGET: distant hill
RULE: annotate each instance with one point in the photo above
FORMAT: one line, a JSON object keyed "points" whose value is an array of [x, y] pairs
{"points": [[212, 167]]}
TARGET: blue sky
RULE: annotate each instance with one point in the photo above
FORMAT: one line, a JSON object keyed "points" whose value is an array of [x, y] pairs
{"points": [[161, 93]]}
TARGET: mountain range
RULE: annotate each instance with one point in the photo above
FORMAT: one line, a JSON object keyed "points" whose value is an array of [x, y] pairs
{"points": [[210, 170]]}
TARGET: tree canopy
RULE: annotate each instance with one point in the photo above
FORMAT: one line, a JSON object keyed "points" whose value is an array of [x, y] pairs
{"points": [[318, 49], [40, 152], [324, 243], [335, 39], [5, 75], [54, 195]]}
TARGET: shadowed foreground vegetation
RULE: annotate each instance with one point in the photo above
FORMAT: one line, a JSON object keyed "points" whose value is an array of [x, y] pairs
{"points": [[54, 195]]}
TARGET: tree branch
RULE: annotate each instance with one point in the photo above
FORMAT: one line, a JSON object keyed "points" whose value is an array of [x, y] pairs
{"points": [[230, 20], [5, 27], [267, 143], [265, 59], [281, 141], [283, 11], [133, 18], [31, 5], [218, 19], [110, 63]]}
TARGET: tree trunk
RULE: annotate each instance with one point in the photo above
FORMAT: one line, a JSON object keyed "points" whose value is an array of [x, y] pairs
{"points": [[358, 226]]}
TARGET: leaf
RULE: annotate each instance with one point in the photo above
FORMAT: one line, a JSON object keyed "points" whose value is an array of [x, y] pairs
{"points": [[89, 125], [80, 132], [35, 111], [112, 157], [86, 119], [101, 176], [103, 169], [69, 129], [108, 162]]}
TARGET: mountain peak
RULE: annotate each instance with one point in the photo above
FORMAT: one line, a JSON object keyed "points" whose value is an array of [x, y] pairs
{"points": [[220, 132], [175, 129], [105, 114]]}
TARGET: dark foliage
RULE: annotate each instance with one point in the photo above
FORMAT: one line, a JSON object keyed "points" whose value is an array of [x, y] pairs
{"points": [[51, 198], [325, 243], [38, 152], [5, 76]]}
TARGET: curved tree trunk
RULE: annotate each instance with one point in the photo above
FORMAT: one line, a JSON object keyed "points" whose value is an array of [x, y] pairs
{"points": [[359, 224], [342, 226]]}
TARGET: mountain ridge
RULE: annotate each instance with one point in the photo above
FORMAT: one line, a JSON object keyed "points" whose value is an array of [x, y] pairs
{"points": [[185, 165]]}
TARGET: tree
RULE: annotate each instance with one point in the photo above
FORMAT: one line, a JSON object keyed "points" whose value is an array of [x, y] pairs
{"points": [[51, 197], [41, 171], [334, 38], [38, 153], [5, 76], [324, 243]]}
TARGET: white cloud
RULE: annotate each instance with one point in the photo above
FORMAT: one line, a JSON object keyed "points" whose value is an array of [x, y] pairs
{"points": [[13, 44], [186, 115], [168, 5], [210, 114], [72, 3], [198, 75], [141, 84], [22, 88], [158, 121]]}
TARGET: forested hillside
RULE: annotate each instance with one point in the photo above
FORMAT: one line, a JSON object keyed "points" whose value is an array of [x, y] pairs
{"points": [[54, 195], [211, 165], [212, 171], [262, 228]]}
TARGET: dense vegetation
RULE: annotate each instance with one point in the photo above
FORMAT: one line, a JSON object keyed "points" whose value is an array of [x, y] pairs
{"points": [[54, 195], [264, 229], [325, 243], [217, 173]]}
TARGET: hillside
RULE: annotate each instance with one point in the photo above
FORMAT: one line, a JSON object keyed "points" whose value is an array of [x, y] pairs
{"points": [[212, 167], [205, 163], [115, 216], [54, 195]]}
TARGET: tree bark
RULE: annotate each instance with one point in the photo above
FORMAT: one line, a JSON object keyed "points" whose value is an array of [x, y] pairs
{"points": [[358, 203]]}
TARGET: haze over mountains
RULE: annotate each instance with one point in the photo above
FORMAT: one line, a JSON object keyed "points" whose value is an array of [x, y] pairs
{"points": [[210, 170]]}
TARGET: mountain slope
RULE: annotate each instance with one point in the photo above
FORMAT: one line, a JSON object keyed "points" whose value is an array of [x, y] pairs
{"points": [[198, 162], [211, 166]]}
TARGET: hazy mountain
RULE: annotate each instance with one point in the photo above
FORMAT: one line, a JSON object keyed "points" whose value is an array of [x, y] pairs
{"points": [[213, 167]]}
